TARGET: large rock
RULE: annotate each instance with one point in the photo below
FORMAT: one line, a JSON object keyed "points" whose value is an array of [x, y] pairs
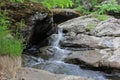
{"points": [[91, 57], [110, 27], [113, 60], [80, 24], [32, 20], [83, 41], [61, 15], [92, 41], [34, 74]]}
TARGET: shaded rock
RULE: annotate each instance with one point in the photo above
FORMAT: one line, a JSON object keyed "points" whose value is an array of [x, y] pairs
{"points": [[61, 15], [34, 74], [42, 28], [46, 52], [32, 20], [30, 61]]}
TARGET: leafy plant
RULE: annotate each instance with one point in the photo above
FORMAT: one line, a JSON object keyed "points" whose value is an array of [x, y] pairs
{"points": [[101, 17], [108, 6], [21, 1], [78, 5], [8, 45], [95, 2], [82, 9], [3, 21], [55, 3]]}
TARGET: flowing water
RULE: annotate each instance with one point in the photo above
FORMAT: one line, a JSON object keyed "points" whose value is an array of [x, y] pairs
{"points": [[56, 64]]}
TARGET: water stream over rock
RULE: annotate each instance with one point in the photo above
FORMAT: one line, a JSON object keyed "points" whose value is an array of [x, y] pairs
{"points": [[55, 63], [75, 51]]}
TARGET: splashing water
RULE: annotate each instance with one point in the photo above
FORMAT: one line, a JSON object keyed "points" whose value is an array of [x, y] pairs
{"points": [[57, 38]]}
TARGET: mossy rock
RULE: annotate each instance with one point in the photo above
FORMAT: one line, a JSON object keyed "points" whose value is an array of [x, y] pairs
{"points": [[22, 11]]}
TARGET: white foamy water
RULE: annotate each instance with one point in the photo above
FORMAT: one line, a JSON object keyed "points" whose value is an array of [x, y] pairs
{"points": [[57, 38]]}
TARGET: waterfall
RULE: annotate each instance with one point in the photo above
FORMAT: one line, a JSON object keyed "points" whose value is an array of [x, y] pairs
{"points": [[57, 38], [55, 63], [60, 54]]}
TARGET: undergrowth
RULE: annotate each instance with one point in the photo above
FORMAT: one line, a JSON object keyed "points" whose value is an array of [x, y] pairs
{"points": [[9, 45]]}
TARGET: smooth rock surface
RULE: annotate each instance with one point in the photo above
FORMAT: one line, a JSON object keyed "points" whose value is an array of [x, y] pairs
{"points": [[98, 46], [35, 74]]}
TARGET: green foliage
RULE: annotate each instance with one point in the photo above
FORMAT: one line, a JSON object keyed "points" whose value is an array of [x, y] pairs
{"points": [[109, 6], [3, 21], [101, 17], [95, 2], [82, 9], [90, 26], [21, 1], [2, 4], [9, 45], [105, 8], [55, 3]]}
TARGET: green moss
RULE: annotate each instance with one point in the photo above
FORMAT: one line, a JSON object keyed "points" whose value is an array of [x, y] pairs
{"points": [[90, 26], [101, 17]]}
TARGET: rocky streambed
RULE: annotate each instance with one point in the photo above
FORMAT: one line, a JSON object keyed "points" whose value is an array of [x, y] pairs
{"points": [[83, 46]]}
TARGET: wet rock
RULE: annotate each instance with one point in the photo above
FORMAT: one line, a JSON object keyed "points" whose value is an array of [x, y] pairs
{"points": [[30, 61], [53, 53], [61, 15], [59, 67], [46, 52], [35, 74]]}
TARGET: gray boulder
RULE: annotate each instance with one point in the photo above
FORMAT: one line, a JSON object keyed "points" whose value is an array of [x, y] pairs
{"points": [[97, 46]]}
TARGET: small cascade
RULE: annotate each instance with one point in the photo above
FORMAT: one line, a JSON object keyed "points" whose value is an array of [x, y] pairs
{"points": [[56, 64], [57, 38], [55, 43]]}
